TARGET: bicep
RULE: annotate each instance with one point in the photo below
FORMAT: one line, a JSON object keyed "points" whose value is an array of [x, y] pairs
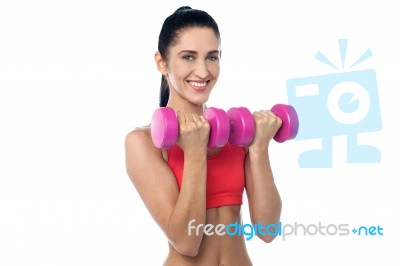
{"points": [[249, 184], [151, 176], [247, 172]]}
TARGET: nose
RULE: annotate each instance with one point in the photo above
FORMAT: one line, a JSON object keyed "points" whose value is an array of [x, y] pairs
{"points": [[201, 69]]}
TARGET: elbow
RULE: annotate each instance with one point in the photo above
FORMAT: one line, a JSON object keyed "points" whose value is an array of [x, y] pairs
{"points": [[186, 246], [189, 250], [267, 238]]}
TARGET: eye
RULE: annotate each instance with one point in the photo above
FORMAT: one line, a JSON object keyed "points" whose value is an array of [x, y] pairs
{"points": [[188, 57], [212, 58]]}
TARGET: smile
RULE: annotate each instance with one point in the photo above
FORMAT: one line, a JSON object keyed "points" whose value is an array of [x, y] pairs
{"points": [[198, 85]]}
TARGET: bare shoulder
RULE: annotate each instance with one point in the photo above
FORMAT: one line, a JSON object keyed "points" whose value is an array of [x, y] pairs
{"points": [[139, 141], [139, 149], [141, 154], [140, 136]]}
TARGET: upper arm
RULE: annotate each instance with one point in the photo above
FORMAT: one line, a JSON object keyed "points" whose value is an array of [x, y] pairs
{"points": [[151, 176], [247, 172], [249, 184]]}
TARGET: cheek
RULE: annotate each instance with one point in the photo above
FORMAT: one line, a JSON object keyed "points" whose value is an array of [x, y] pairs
{"points": [[180, 70], [214, 69]]}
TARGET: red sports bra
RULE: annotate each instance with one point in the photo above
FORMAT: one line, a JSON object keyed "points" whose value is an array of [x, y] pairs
{"points": [[225, 174]]}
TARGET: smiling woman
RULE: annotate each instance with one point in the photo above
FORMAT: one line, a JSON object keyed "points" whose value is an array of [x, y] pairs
{"points": [[189, 181], [188, 38], [191, 70]]}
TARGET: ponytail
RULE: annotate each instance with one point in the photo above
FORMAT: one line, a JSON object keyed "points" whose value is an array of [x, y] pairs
{"points": [[164, 92]]}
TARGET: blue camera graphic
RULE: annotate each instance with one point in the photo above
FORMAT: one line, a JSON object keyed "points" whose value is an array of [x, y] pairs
{"points": [[344, 103]]}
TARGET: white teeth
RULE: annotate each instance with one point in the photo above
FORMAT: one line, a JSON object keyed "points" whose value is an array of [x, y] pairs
{"points": [[196, 84]]}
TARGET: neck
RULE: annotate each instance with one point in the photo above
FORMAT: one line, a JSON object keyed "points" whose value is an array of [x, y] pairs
{"points": [[186, 107]]}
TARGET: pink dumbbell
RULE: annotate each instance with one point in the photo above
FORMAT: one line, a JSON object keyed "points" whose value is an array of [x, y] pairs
{"points": [[242, 126], [165, 128]]}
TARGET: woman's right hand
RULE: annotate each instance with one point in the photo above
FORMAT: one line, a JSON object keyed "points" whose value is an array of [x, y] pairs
{"points": [[194, 131]]}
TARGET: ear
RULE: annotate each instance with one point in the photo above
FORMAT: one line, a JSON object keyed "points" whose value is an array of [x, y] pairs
{"points": [[160, 63]]}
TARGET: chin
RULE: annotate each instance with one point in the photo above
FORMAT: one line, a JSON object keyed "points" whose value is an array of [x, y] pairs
{"points": [[199, 101]]}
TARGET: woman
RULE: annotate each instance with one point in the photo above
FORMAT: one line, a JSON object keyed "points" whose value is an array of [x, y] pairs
{"points": [[190, 184]]}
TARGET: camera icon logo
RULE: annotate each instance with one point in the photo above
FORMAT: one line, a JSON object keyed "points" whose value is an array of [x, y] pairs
{"points": [[344, 103]]}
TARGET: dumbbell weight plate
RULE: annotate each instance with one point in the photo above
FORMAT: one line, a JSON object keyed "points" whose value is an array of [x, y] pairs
{"points": [[242, 126], [164, 127], [290, 122], [219, 127]]}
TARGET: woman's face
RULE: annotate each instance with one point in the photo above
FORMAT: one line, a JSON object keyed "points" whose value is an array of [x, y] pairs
{"points": [[193, 64]]}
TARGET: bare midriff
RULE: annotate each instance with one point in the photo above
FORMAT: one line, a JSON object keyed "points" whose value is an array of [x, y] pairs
{"points": [[218, 250]]}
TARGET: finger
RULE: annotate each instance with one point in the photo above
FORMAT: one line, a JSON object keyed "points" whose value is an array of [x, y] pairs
{"points": [[261, 115], [275, 119], [203, 119], [269, 113], [181, 118], [267, 116], [256, 114], [188, 118], [195, 117]]}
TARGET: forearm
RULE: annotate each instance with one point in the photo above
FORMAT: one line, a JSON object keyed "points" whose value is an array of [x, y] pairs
{"points": [[191, 204], [266, 203]]}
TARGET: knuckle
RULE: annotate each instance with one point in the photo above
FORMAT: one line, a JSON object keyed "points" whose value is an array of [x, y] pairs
{"points": [[259, 123], [183, 128]]}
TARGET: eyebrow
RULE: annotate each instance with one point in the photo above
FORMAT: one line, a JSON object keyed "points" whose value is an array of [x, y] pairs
{"points": [[194, 52]]}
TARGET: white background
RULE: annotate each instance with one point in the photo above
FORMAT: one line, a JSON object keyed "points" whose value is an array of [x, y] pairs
{"points": [[77, 76]]}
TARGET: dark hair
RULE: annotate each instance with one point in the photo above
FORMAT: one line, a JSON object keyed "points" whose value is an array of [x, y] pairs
{"points": [[183, 18]]}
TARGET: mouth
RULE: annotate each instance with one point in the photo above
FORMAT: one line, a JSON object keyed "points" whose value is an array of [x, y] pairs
{"points": [[198, 85]]}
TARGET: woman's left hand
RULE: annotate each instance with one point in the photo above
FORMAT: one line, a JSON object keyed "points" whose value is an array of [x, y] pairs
{"points": [[267, 124]]}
